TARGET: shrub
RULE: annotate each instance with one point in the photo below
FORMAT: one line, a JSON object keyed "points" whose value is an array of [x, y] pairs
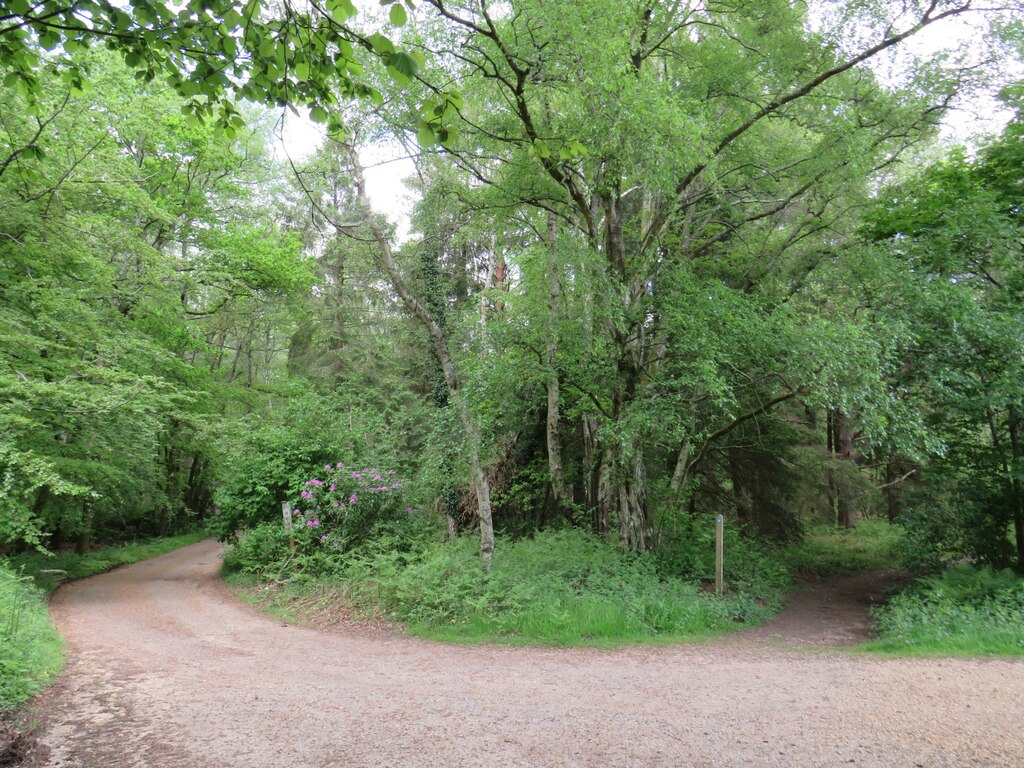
{"points": [[964, 610], [29, 645], [687, 551], [874, 545], [560, 587]]}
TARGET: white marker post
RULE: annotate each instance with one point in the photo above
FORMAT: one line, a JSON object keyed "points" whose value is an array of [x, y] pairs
{"points": [[719, 553], [286, 513]]}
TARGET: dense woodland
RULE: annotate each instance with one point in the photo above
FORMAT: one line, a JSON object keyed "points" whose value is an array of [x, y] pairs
{"points": [[668, 260]]}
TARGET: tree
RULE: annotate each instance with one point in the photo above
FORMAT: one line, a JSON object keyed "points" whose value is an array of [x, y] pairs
{"points": [[955, 230], [284, 54], [127, 234], [726, 144]]}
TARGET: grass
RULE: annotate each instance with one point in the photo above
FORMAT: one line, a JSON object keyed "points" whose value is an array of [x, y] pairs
{"points": [[30, 648], [830, 551], [562, 588], [966, 611]]}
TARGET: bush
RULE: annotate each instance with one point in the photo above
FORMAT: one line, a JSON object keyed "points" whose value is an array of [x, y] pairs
{"points": [[29, 646], [562, 587], [333, 513], [964, 610], [874, 545], [264, 462], [687, 551]]}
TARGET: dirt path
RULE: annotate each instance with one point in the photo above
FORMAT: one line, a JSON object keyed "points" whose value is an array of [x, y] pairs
{"points": [[167, 669], [826, 613]]}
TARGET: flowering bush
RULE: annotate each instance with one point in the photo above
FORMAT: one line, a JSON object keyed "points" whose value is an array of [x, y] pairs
{"points": [[342, 507]]}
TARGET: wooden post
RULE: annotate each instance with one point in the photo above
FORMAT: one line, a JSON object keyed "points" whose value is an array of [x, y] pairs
{"points": [[719, 553], [286, 513]]}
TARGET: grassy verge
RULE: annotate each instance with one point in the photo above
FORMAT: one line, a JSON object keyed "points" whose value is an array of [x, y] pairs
{"points": [[966, 611], [830, 551], [50, 571], [563, 588], [30, 653]]}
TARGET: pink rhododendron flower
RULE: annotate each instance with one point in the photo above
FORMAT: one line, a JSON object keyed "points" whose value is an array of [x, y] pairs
{"points": [[324, 537], [408, 509], [327, 467]]}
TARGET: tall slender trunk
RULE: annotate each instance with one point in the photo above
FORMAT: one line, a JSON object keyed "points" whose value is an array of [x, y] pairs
{"points": [[1018, 491], [842, 447], [440, 343], [559, 493]]}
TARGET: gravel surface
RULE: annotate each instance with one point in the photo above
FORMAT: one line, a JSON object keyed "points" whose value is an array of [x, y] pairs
{"points": [[166, 668]]}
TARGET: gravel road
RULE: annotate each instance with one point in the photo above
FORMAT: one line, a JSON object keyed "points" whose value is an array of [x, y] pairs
{"points": [[166, 668]]}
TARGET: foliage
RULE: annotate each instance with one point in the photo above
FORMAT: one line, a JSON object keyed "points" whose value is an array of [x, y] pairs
{"points": [[562, 588], [127, 240], [208, 51], [687, 551], [30, 650], [265, 459], [966, 610], [874, 545]]}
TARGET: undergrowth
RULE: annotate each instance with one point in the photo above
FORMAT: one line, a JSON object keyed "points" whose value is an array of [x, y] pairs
{"points": [[29, 645], [964, 611], [561, 587], [874, 545]]}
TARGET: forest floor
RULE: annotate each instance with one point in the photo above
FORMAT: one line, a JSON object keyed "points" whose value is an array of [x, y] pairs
{"points": [[167, 668]]}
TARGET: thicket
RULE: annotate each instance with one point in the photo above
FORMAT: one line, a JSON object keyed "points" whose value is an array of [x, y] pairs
{"points": [[30, 649], [562, 587], [966, 610]]}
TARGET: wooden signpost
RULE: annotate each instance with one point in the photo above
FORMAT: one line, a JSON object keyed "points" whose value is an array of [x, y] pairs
{"points": [[719, 554]]}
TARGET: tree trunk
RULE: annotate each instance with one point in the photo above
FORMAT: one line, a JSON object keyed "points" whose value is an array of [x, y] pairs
{"points": [[440, 342], [1018, 491], [842, 447], [559, 493], [681, 474], [622, 491]]}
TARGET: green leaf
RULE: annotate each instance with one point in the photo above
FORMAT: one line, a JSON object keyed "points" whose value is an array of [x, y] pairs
{"points": [[425, 135], [380, 44], [405, 64], [397, 15], [398, 76], [318, 114]]}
